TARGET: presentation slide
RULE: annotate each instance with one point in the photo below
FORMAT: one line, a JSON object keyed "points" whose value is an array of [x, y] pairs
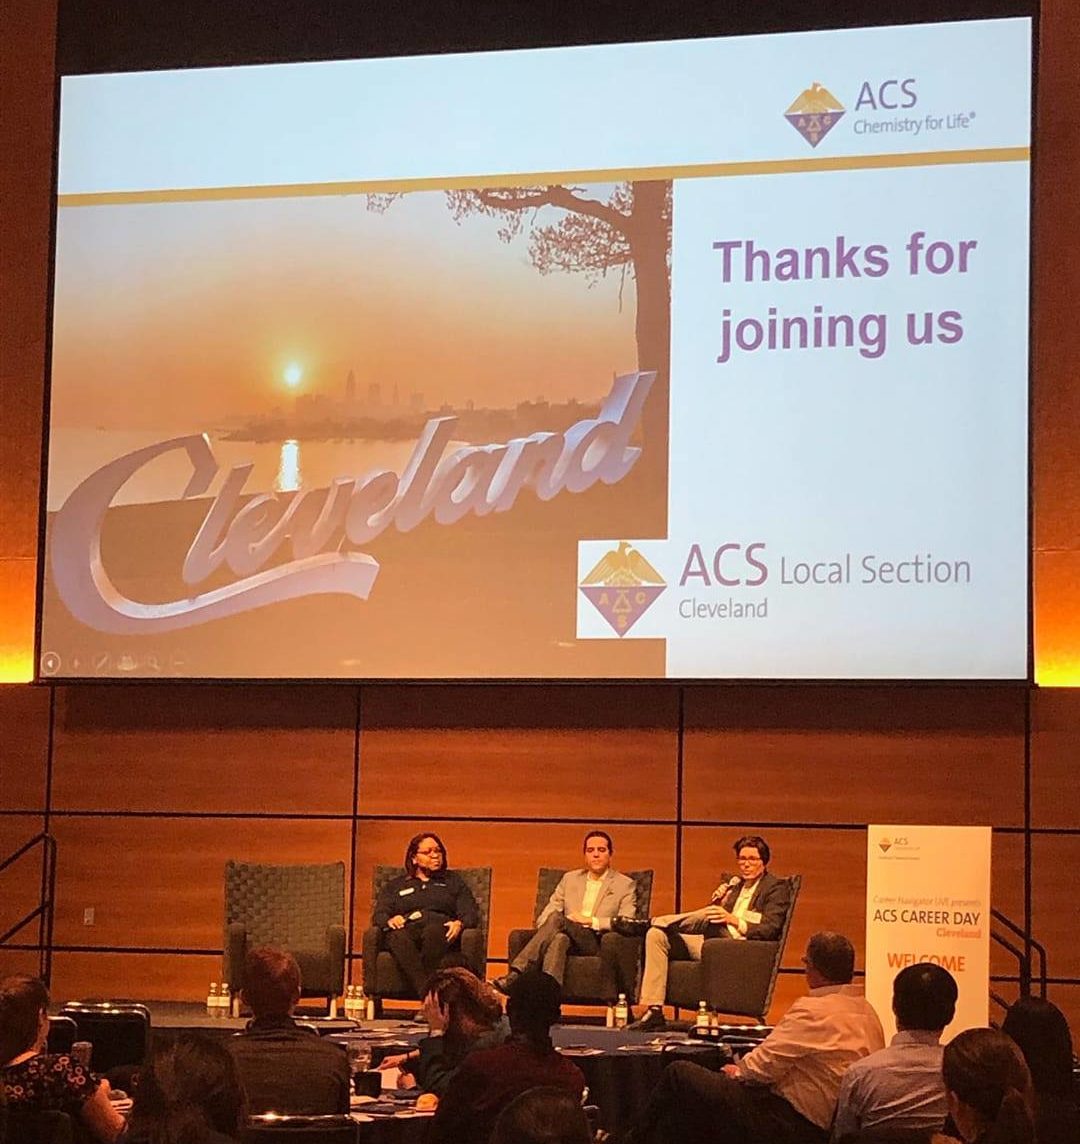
{"points": [[703, 359]]}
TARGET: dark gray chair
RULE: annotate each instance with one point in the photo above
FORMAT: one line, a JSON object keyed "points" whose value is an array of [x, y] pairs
{"points": [[735, 977], [382, 977], [63, 1033], [298, 908], [593, 980], [118, 1030]]}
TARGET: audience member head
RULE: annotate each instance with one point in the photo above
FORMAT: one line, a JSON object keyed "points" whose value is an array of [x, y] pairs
{"points": [[271, 982], [431, 861], [989, 1088], [534, 1005], [1040, 1029], [829, 959], [750, 842], [924, 998], [468, 1006], [24, 1021], [187, 1087], [542, 1116]]}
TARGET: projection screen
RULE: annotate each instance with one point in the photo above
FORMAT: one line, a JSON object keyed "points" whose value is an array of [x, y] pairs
{"points": [[698, 359]]}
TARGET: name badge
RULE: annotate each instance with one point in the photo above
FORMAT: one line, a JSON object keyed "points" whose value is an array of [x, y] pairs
{"points": [[752, 917], [407, 890]]}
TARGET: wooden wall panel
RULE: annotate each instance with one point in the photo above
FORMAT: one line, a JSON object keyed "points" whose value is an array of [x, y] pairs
{"points": [[516, 851], [855, 754], [136, 976], [1056, 349], [20, 883], [27, 34], [27, 31], [19, 498], [509, 751], [159, 882], [1055, 915], [1055, 758], [1006, 895], [269, 749], [18, 961], [24, 747], [17, 587]]}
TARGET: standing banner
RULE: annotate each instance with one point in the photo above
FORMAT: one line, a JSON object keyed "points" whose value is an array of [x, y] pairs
{"points": [[928, 900]]}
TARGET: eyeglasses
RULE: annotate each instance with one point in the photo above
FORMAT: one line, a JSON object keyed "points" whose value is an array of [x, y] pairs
{"points": [[429, 852], [748, 861]]}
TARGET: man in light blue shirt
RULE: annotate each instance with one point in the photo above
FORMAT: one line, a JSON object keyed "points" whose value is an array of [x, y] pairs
{"points": [[900, 1087]]}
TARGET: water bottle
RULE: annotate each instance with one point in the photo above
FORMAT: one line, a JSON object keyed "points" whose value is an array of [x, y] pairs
{"points": [[212, 1000], [622, 1012], [702, 1022], [361, 1003], [354, 1003]]}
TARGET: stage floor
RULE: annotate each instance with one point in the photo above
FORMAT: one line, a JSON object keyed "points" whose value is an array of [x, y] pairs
{"points": [[185, 1015]]}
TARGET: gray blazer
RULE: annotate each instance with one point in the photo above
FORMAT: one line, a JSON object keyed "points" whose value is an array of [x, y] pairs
{"points": [[617, 897]]}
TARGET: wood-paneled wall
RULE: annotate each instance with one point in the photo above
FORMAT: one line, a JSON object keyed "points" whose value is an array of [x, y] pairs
{"points": [[150, 789]]}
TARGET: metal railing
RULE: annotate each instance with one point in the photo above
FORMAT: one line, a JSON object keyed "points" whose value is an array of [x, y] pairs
{"points": [[1027, 953], [45, 911]]}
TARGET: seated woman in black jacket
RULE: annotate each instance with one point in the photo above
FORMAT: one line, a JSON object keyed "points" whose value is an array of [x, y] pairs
{"points": [[424, 912]]}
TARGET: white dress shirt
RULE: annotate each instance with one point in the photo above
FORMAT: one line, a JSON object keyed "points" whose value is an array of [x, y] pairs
{"points": [[740, 908], [805, 1057], [588, 902]]}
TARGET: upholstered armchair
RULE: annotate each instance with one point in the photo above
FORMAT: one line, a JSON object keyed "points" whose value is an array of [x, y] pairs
{"points": [[298, 908], [382, 977], [596, 980], [735, 977]]}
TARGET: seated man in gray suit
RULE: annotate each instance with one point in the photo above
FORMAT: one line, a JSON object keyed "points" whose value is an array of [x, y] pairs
{"points": [[580, 909], [753, 905]]}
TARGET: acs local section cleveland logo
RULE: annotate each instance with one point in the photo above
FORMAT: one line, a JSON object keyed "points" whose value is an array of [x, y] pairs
{"points": [[622, 587]]}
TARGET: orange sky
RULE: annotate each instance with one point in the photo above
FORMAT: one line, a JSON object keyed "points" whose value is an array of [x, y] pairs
{"points": [[178, 315]]}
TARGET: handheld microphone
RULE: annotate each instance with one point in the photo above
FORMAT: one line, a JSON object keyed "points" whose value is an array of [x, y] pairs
{"points": [[721, 892]]}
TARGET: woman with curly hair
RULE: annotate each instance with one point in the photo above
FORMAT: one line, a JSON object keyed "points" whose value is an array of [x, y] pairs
{"points": [[36, 1081]]}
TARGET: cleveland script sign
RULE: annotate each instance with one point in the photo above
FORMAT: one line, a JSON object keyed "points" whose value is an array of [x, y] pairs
{"points": [[325, 526]]}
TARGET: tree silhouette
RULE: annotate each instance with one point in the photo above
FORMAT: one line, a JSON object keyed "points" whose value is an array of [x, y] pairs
{"points": [[630, 230]]}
